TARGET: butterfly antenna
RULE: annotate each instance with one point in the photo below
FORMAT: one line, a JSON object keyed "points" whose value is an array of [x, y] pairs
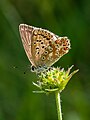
{"points": [[27, 69]]}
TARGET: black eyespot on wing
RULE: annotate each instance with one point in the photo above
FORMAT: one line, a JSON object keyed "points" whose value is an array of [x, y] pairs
{"points": [[41, 42], [43, 46], [37, 40], [37, 48], [43, 57], [37, 52]]}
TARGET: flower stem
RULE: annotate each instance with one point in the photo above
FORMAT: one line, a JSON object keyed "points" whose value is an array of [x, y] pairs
{"points": [[58, 104]]}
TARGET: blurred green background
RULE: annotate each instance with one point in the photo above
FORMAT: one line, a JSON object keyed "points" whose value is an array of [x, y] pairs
{"points": [[65, 18]]}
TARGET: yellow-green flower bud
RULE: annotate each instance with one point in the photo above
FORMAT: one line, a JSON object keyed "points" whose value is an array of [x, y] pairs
{"points": [[54, 79]]}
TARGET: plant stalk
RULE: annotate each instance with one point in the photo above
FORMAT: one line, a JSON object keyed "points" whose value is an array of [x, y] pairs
{"points": [[58, 104]]}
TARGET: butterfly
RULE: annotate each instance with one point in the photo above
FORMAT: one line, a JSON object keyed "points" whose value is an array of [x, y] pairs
{"points": [[43, 48]]}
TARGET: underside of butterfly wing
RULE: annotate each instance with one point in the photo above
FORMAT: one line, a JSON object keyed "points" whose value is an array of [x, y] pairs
{"points": [[47, 48], [55, 50], [43, 47], [40, 42], [26, 33]]}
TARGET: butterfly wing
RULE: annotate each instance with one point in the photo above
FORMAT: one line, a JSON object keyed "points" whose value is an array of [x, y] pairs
{"points": [[26, 33], [47, 48], [56, 50], [42, 46], [41, 40], [35, 41]]}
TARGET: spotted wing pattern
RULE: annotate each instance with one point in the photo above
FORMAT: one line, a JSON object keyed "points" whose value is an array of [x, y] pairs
{"points": [[42, 46]]}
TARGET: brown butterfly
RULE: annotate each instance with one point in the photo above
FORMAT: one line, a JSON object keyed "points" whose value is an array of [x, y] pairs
{"points": [[43, 48]]}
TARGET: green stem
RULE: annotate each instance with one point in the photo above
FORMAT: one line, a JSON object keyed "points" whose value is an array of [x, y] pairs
{"points": [[58, 104]]}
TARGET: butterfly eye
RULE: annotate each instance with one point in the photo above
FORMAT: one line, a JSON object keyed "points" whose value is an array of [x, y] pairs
{"points": [[33, 68]]}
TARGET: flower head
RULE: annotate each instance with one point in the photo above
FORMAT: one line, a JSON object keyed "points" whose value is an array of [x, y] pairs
{"points": [[54, 79]]}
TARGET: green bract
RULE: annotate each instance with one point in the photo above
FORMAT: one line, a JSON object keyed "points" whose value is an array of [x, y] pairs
{"points": [[54, 79]]}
